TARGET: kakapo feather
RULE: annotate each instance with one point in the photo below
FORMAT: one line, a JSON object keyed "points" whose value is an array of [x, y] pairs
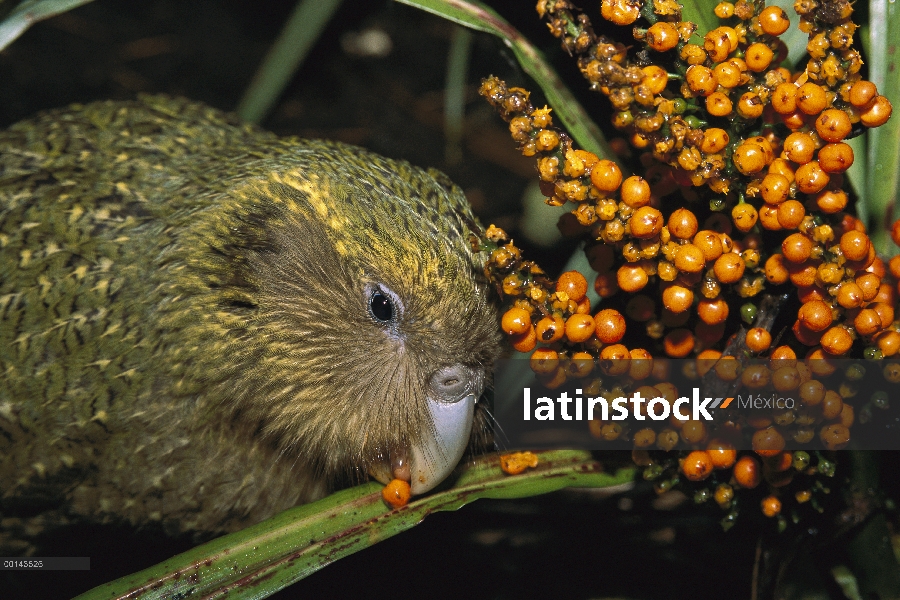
{"points": [[202, 324]]}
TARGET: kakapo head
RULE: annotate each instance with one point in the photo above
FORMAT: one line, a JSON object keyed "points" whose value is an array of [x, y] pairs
{"points": [[340, 311]]}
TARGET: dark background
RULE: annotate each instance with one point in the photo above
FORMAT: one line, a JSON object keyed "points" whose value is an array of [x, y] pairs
{"points": [[566, 545]]}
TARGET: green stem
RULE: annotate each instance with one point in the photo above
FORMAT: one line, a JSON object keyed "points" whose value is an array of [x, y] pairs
{"points": [[304, 27]]}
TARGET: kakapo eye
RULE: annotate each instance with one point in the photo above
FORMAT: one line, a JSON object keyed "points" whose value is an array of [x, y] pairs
{"points": [[384, 306]]}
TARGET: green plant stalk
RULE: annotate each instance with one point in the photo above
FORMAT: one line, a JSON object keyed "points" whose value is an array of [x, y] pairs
{"points": [[883, 165], [303, 28], [28, 13], [455, 93], [260, 560], [570, 113]]}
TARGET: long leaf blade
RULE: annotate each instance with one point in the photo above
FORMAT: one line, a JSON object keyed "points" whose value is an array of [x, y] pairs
{"points": [[267, 557], [571, 114]]}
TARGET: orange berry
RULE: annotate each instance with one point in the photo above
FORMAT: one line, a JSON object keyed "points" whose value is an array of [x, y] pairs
{"points": [[747, 473], [635, 191], [773, 20], [721, 453], [771, 506], [835, 436], [758, 57], [867, 322], [784, 98], [516, 321], [724, 10], [728, 74], [894, 266], [544, 361], [579, 328], [662, 36], [631, 278], [885, 311], [573, 284], [790, 214], [609, 326], [693, 54], [677, 298], [781, 166], [749, 158], [606, 176], [811, 98], [697, 465], [862, 92], [710, 244], [396, 493], [581, 365], [701, 80], [855, 245], [876, 112], [758, 339], [712, 311], [849, 295], [517, 462], [606, 284], [682, 223], [831, 201], [836, 341], [655, 79], [718, 104], [719, 43], [524, 342], [678, 343], [750, 105], [888, 342], [815, 315], [796, 247], [729, 268], [646, 222], [744, 216], [783, 354], [768, 442], [583, 306], [714, 140], [833, 125], [550, 329], [640, 308], [868, 283], [794, 120], [775, 188], [620, 12], [811, 178], [689, 259], [835, 158], [775, 270], [799, 147]]}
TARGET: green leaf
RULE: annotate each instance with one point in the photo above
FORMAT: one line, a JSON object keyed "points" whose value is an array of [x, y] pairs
{"points": [[701, 13], [267, 557], [299, 35], [28, 13], [570, 113], [883, 165]]}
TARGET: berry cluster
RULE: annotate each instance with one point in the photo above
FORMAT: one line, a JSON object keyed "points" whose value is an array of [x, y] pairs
{"points": [[755, 155]]}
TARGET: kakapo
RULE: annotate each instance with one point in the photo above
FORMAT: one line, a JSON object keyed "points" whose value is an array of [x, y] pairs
{"points": [[203, 324]]}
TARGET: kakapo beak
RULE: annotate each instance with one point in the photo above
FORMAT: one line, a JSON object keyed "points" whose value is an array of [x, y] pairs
{"points": [[440, 449], [453, 393]]}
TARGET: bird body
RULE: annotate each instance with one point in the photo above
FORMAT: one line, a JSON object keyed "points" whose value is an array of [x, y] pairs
{"points": [[202, 324]]}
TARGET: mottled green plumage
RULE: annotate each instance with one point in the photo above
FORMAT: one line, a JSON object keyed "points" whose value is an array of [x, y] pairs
{"points": [[184, 334]]}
